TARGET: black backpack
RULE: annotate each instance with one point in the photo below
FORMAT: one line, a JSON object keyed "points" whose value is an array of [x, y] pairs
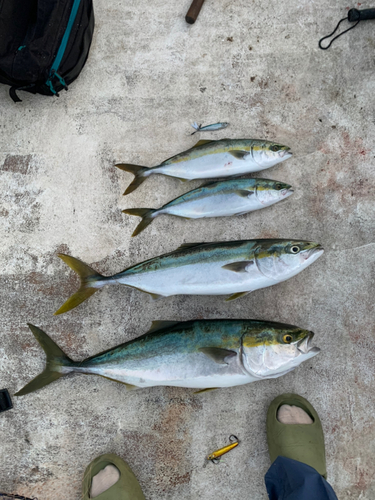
{"points": [[44, 44]]}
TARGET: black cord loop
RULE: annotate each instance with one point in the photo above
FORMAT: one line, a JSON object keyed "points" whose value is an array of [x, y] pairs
{"points": [[333, 32]]}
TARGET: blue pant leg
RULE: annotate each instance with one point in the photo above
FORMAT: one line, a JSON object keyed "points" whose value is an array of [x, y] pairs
{"points": [[288, 479]]}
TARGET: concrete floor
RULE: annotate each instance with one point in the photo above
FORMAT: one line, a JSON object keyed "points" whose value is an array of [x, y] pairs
{"points": [[149, 75]]}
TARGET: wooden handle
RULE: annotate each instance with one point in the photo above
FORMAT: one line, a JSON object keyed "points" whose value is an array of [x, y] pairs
{"points": [[193, 12]]}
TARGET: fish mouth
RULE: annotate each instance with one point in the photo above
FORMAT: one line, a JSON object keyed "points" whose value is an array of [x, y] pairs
{"points": [[315, 252], [285, 152], [287, 192], [304, 346]]}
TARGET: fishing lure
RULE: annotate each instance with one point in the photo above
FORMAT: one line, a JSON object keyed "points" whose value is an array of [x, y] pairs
{"points": [[209, 128], [215, 456], [354, 16]]}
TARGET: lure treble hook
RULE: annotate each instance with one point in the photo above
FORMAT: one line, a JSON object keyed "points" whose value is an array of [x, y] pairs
{"points": [[215, 456]]}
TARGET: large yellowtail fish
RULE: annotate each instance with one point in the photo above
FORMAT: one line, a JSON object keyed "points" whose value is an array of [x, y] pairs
{"points": [[201, 354], [218, 199], [233, 267], [210, 159]]}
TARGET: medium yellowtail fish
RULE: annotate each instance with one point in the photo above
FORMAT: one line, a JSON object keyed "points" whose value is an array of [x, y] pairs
{"points": [[199, 354], [219, 199], [231, 267], [210, 159]]}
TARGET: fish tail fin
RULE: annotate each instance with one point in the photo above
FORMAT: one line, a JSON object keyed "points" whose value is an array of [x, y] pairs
{"points": [[57, 364], [137, 171], [196, 126], [88, 278], [147, 214]]}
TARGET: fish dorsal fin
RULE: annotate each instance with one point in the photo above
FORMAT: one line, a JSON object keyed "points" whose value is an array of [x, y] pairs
{"points": [[205, 390], [239, 267], [237, 296], [240, 155], [161, 325], [201, 142], [189, 245], [219, 355]]}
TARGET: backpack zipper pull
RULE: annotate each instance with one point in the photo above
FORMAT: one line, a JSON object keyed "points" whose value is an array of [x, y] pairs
{"points": [[50, 84], [62, 81]]}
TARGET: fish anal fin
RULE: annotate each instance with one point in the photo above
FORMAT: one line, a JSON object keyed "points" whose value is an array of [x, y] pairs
{"points": [[240, 155], [237, 296], [244, 193], [129, 387], [202, 142], [206, 390], [239, 267], [154, 296], [219, 355], [161, 325]]}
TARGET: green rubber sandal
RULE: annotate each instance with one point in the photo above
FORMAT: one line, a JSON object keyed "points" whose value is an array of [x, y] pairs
{"points": [[301, 442], [126, 488]]}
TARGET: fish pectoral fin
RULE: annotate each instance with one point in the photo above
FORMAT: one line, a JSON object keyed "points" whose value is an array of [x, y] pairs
{"points": [[205, 390], [181, 179], [203, 141], [219, 355], [243, 193], [237, 296], [161, 325], [240, 155], [239, 267]]}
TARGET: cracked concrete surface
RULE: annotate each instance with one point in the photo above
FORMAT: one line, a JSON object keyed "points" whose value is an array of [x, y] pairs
{"points": [[149, 75]]}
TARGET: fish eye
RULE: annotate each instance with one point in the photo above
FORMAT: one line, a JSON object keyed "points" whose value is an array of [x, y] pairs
{"points": [[275, 148], [287, 338], [295, 249], [278, 186]]}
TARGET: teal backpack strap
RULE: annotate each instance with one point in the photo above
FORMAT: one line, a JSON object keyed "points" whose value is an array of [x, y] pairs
{"points": [[60, 53]]}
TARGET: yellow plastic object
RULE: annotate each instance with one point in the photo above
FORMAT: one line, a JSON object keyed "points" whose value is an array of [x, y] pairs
{"points": [[216, 455]]}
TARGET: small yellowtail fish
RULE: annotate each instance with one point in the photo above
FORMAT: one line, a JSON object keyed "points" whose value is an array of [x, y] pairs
{"points": [[209, 128], [216, 455], [210, 159], [199, 354], [220, 268], [218, 199]]}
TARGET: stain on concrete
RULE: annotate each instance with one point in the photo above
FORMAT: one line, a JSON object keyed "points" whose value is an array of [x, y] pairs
{"points": [[18, 164]]}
